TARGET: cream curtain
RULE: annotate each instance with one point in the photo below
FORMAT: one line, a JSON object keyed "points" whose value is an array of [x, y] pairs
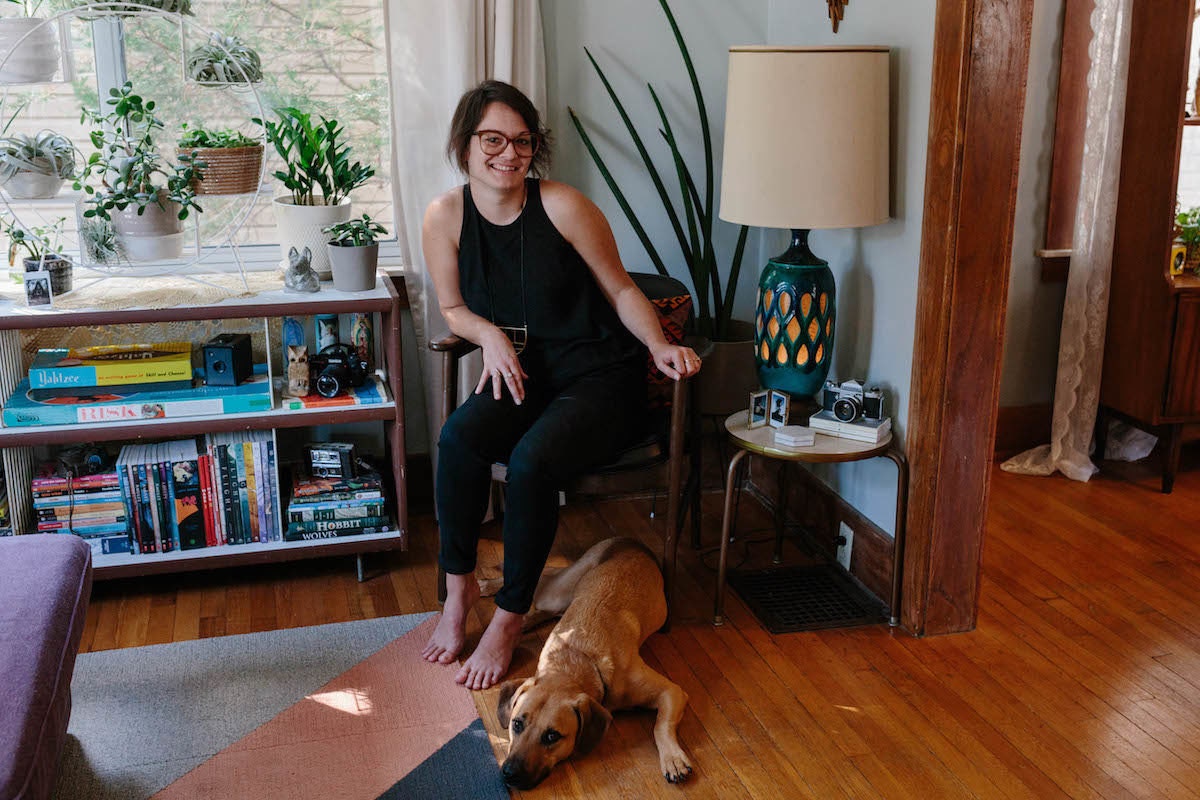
{"points": [[437, 50], [1085, 311]]}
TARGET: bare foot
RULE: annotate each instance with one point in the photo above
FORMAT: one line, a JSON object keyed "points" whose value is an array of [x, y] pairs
{"points": [[491, 658], [451, 632]]}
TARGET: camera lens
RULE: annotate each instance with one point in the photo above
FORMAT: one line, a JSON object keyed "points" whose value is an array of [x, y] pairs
{"points": [[847, 409], [328, 385]]}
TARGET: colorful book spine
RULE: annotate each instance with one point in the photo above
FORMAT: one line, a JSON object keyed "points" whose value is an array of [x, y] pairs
{"points": [[317, 526], [299, 536], [111, 365], [185, 478], [373, 509], [253, 495], [371, 393]]}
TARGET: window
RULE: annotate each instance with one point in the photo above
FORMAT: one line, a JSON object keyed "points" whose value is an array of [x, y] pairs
{"points": [[322, 56]]}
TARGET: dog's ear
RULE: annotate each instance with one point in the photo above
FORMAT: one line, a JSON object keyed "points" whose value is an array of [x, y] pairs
{"points": [[508, 690], [593, 722]]}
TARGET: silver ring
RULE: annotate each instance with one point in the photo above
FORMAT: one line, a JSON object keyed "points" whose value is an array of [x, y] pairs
{"points": [[508, 374]]}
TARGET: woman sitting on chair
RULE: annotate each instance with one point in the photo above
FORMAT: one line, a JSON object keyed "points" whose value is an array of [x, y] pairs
{"points": [[528, 270]]}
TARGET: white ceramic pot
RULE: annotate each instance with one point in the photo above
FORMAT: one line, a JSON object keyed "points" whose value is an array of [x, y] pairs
{"points": [[301, 226], [28, 50], [26, 185], [353, 267], [154, 235]]}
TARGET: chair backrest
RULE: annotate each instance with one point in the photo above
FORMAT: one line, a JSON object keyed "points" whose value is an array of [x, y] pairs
{"points": [[673, 303]]}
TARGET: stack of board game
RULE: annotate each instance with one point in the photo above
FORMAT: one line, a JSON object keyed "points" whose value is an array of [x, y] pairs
{"points": [[324, 508], [110, 369], [182, 495], [90, 506]]}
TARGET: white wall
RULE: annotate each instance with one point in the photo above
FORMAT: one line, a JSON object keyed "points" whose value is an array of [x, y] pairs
{"points": [[1034, 308], [876, 268]]}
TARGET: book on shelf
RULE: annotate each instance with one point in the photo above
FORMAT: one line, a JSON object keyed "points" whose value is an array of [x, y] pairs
{"points": [[302, 531], [371, 393], [124, 388], [250, 396], [348, 509], [871, 431], [111, 365], [305, 487]]}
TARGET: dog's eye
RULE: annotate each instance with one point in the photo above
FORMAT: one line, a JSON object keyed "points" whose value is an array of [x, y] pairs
{"points": [[550, 737], [517, 726]]}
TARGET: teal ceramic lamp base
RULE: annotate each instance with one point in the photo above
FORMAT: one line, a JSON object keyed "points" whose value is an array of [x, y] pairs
{"points": [[794, 320]]}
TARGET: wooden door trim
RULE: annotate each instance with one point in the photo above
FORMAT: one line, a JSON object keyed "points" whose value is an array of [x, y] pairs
{"points": [[980, 64]]}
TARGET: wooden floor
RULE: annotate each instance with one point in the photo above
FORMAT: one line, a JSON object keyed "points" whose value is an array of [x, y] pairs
{"points": [[1082, 679]]}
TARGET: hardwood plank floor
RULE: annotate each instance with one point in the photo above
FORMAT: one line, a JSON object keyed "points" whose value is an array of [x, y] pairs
{"points": [[1082, 679]]}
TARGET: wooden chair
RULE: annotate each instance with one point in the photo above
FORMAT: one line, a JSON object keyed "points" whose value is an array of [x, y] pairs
{"points": [[660, 461]]}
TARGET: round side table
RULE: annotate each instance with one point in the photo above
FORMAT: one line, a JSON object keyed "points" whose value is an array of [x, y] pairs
{"points": [[760, 441]]}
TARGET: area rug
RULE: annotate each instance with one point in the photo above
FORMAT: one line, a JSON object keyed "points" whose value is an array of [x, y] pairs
{"points": [[343, 711]]}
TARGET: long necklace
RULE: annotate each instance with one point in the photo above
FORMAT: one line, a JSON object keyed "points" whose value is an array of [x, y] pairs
{"points": [[517, 334]]}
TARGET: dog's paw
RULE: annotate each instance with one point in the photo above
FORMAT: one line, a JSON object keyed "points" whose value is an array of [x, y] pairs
{"points": [[675, 767]]}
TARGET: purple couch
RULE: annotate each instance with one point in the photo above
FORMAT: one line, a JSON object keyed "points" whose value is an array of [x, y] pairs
{"points": [[45, 581]]}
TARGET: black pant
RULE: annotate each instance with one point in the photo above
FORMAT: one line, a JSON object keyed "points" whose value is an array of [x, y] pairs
{"points": [[546, 441]]}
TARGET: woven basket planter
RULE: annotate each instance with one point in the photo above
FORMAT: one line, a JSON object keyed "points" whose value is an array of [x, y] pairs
{"points": [[229, 170]]}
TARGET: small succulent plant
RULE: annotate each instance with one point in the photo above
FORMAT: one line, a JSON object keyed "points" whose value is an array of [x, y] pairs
{"points": [[356, 232], [224, 59], [217, 139]]}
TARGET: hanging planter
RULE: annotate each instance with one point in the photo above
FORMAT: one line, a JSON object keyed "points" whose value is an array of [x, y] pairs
{"points": [[29, 50], [120, 9], [231, 162], [224, 60], [35, 167]]}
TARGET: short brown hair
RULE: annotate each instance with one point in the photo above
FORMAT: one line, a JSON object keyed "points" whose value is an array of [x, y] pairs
{"points": [[471, 108]]}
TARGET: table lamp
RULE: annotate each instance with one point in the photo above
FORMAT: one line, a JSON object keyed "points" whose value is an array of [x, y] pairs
{"points": [[806, 146]]}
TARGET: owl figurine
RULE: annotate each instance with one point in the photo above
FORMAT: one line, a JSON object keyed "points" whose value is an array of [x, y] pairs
{"points": [[297, 371]]}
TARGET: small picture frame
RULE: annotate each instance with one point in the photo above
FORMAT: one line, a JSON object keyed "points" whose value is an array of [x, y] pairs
{"points": [[37, 289], [778, 403], [758, 409]]}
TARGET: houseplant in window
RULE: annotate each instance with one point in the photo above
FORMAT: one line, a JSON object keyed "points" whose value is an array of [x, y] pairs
{"points": [[129, 182], [319, 177], [354, 253], [224, 60], [729, 369], [119, 9], [1187, 225], [34, 166], [28, 44], [41, 250], [232, 161]]}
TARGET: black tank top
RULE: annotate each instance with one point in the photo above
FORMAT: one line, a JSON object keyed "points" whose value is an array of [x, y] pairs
{"points": [[573, 330]]}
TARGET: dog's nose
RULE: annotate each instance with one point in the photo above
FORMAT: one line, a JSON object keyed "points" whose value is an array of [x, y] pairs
{"points": [[510, 771]]}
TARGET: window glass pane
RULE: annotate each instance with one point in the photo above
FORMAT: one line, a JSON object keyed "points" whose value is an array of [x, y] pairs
{"points": [[1188, 188]]}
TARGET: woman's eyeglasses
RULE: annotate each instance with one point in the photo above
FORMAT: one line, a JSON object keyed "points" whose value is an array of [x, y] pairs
{"points": [[493, 143]]}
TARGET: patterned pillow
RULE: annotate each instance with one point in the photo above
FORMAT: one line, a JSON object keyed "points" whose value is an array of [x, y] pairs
{"points": [[673, 314]]}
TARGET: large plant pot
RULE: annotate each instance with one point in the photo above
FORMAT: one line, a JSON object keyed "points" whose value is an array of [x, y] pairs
{"points": [[728, 375], [28, 50], [302, 226], [353, 267], [26, 185], [154, 235]]}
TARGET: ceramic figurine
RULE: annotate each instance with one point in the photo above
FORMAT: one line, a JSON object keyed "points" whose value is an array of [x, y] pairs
{"points": [[300, 276], [292, 333], [297, 371], [360, 337]]}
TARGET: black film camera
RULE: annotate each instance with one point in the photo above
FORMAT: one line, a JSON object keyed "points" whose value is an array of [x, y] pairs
{"points": [[336, 368], [850, 401]]}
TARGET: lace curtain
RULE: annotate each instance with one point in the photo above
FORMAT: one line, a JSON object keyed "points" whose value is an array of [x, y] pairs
{"points": [[436, 51], [1085, 311]]}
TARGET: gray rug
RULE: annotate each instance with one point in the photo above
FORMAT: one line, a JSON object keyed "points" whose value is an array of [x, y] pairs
{"points": [[144, 717]]}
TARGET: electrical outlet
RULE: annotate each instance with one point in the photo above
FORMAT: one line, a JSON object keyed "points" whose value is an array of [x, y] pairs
{"points": [[843, 551]]}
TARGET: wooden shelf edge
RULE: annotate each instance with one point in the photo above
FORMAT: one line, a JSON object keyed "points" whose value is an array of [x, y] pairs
{"points": [[245, 555]]}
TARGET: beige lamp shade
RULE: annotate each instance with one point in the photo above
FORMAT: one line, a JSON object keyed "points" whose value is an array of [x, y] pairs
{"points": [[806, 137]]}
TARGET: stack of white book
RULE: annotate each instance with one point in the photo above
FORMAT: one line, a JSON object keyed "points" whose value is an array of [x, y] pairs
{"points": [[862, 429], [795, 436]]}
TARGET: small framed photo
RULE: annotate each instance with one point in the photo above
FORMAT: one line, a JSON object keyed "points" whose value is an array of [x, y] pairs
{"points": [[778, 403], [758, 409], [37, 289]]}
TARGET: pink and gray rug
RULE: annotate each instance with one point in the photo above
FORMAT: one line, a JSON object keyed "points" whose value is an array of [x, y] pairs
{"points": [[348, 711]]}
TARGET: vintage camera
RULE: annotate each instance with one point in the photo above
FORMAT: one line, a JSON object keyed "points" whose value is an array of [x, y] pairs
{"points": [[331, 460], [337, 367], [228, 359], [849, 401]]}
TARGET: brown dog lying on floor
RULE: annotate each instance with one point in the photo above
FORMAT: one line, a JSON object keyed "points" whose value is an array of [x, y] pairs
{"points": [[611, 600]]}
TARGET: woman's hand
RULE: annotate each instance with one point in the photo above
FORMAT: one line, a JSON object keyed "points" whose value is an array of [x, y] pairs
{"points": [[676, 361], [501, 367]]}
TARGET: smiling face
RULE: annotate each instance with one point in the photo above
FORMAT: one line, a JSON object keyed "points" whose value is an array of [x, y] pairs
{"points": [[506, 170], [546, 724]]}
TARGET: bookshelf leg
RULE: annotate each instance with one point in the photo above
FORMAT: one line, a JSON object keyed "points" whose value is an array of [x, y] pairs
{"points": [[358, 561]]}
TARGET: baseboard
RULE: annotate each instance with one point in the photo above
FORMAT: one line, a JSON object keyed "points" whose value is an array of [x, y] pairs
{"points": [[1019, 428], [820, 511]]}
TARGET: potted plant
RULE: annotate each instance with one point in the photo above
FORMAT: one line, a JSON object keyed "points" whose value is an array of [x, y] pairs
{"points": [[42, 246], [144, 196], [354, 253], [224, 59], [34, 166], [729, 369], [232, 161], [1187, 225], [319, 177], [28, 45], [120, 9]]}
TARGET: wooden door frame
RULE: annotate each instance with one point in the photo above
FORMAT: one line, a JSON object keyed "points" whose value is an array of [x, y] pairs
{"points": [[977, 101]]}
